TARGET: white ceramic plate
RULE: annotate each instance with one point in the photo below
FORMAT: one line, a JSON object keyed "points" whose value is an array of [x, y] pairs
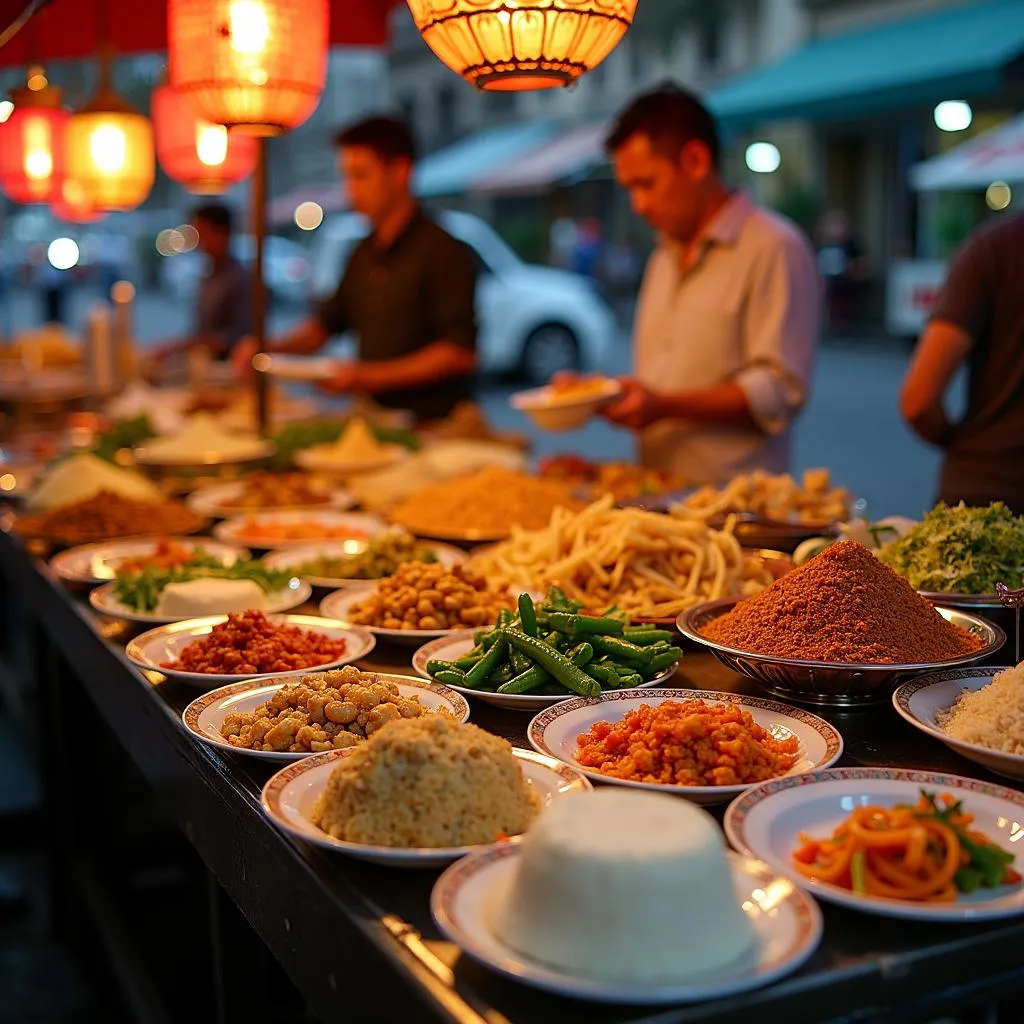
{"points": [[232, 531], [767, 820], [290, 795], [339, 606], [554, 732], [449, 648], [919, 699], [293, 557], [97, 563], [299, 368], [318, 460], [105, 601], [786, 921], [251, 452], [150, 650], [205, 715], [548, 398], [214, 502]]}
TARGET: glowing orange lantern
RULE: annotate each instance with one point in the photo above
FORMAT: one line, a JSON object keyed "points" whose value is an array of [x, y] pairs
{"points": [[32, 143], [203, 157], [510, 45], [257, 66], [72, 207], [110, 149]]}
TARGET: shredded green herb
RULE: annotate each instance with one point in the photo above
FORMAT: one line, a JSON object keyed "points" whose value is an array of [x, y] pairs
{"points": [[961, 550]]}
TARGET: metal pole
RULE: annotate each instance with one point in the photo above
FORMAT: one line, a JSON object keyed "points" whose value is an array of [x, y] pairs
{"points": [[259, 291]]}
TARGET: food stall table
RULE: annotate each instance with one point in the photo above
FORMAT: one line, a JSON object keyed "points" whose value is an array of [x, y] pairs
{"points": [[357, 939]]}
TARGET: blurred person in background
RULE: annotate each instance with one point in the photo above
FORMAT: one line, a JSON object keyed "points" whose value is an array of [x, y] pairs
{"points": [[53, 285], [843, 266], [977, 323], [588, 249], [223, 314], [408, 292], [728, 314]]}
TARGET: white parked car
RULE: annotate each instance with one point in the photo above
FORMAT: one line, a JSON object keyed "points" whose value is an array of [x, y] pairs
{"points": [[533, 320], [285, 269]]}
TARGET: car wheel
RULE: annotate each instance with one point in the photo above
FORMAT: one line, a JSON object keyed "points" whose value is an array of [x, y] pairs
{"points": [[549, 350]]}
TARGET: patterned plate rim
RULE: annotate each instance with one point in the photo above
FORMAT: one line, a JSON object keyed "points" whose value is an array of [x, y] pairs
{"points": [[301, 594], [834, 743], [457, 556], [190, 716], [423, 653], [134, 646], [338, 500], [58, 563], [737, 812], [270, 798], [807, 935], [902, 694], [905, 692]]}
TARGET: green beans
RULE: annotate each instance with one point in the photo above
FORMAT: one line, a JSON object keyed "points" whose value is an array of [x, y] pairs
{"points": [[622, 649], [662, 661], [645, 637], [450, 677], [552, 648], [526, 681], [482, 670], [573, 624], [571, 676], [527, 615]]}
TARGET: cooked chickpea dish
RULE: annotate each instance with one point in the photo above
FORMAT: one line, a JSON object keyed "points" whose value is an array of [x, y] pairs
{"points": [[430, 596], [324, 711]]}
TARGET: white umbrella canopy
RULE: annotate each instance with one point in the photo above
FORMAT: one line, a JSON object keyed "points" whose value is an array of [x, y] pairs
{"points": [[997, 155]]}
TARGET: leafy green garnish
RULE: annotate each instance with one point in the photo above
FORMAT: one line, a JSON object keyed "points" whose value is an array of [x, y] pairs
{"points": [[141, 591], [988, 862], [297, 436], [126, 434], [960, 550]]}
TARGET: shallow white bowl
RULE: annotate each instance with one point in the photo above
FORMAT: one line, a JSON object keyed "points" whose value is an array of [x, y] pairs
{"points": [[919, 699]]}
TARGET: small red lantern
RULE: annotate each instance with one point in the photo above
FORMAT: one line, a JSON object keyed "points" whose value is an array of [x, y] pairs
{"points": [[32, 161], [72, 207], [255, 65], [203, 157]]}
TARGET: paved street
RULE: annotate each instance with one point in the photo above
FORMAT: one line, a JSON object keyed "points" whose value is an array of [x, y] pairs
{"points": [[851, 424]]}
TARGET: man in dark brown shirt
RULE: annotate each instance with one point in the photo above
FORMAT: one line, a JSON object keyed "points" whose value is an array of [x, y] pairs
{"points": [[979, 319], [407, 293]]}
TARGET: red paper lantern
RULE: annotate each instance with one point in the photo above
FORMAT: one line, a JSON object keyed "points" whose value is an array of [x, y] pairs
{"points": [[32, 161], [257, 66], [72, 207], [203, 157]]}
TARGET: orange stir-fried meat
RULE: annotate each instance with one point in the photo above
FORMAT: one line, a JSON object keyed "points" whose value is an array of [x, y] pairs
{"points": [[687, 743]]}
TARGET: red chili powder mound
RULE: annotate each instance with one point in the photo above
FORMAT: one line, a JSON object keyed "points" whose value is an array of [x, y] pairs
{"points": [[844, 605]]}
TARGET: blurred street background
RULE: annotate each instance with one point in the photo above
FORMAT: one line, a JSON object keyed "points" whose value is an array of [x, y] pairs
{"points": [[851, 425], [887, 163]]}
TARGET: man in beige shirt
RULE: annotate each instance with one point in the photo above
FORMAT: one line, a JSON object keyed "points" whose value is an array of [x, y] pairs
{"points": [[728, 315]]}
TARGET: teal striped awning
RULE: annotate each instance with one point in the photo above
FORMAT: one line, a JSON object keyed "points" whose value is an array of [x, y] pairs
{"points": [[956, 53], [457, 168]]}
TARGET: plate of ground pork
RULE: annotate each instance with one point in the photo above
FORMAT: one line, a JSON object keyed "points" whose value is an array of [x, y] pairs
{"points": [[978, 712], [700, 744], [419, 792]]}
